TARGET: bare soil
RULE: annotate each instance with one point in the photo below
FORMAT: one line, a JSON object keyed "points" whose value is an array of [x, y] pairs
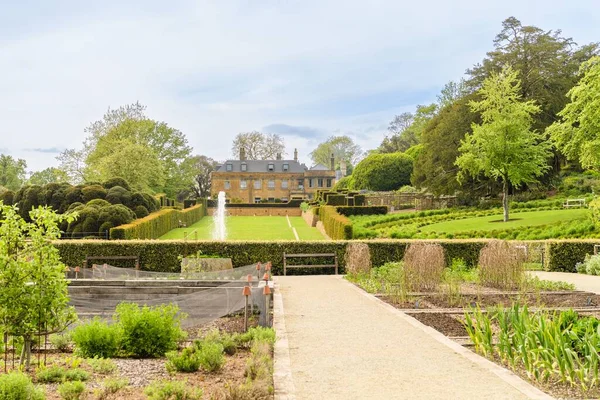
{"points": [[449, 325]]}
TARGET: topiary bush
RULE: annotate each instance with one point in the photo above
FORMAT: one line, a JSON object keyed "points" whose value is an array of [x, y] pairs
{"points": [[336, 225], [93, 192], [383, 172], [141, 212], [109, 184], [118, 195]]}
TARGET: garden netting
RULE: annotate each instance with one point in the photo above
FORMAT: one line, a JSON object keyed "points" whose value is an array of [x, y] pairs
{"points": [[202, 296]]}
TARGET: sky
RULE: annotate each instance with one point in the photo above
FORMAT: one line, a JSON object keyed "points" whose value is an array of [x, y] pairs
{"points": [[304, 69]]}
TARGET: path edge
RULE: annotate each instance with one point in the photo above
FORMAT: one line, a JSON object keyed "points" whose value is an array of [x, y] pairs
{"points": [[504, 374], [283, 382]]}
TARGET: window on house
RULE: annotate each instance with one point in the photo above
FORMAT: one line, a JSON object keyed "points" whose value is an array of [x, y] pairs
{"points": [[244, 167], [227, 185], [301, 184], [310, 183], [320, 182], [328, 182], [271, 167], [257, 184], [271, 199], [271, 184], [284, 184], [229, 167], [243, 184], [286, 166], [284, 199], [257, 200]]}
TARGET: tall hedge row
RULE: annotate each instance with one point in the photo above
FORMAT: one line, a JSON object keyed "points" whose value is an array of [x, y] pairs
{"points": [[362, 210], [158, 223], [337, 226], [563, 255]]}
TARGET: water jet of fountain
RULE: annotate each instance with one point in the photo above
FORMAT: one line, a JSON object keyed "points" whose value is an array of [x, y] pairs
{"points": [[219, 230]]}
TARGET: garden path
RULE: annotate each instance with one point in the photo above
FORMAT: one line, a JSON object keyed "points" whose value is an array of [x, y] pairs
{"points": [[589, 283], [344, 344]]}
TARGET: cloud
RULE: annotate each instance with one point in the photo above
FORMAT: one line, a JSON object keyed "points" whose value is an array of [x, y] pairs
{"points": [[49, 150], [301, 131]]}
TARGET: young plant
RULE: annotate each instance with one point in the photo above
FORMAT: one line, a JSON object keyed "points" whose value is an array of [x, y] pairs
{"points": [[103, 366], [167, 390], [110, 386], [186, 361], [61, 342], [16, 385], [71, 390], [96, 338], [210, 356]]}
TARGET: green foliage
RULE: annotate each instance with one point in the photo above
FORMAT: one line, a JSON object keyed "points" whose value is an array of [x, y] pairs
{"points": [[101, 365], [336, 225], [577, 134], [590, 266], [594, 206], [210, 356], [256, 334], [172, 390], [56, 374], [229, 342], [146, 331], [141, 212], [92, 192], [158, 223], [343, 148], [381, 172], [344, 183], [336, 200], [116, 181], [564, 255], [186, 361], [18, 386], [96, 338], [362, 210], [503, 146], [76, 374], [71, 390], [538, 284], [48, 175], [12, 172], [260, 363], [111, 386], [61, 342]]}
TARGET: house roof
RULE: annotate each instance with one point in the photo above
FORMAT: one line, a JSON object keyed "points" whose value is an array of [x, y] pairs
{"points": [[319, 167], [262, 166]]}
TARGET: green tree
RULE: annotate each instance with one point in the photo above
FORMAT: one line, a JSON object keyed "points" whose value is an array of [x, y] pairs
{"points": [[203, 166], [34, 297], [383, 172], [406, 129], [258, 145], [342, 148], [577, 134], [504, 146], [12, 172], [72, 164], [48, 175]]}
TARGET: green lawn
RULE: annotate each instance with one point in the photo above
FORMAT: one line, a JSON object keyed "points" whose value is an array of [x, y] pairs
{"points": [[517, 220], [249, 228]]}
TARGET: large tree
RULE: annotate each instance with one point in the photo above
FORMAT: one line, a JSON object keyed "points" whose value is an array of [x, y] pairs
{"points": [[577, 134], [203, 167], [12, 172], [406, 129], [382, 172], [48, 175], [342, 148], [258, 146], [504, 146]]}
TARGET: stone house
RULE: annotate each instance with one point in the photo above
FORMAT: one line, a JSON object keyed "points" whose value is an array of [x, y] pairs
{"points": [[255, 181]]}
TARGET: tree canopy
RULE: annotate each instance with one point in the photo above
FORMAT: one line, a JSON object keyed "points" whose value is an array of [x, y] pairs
{"points": [[48, 175], [12, 172], [382, 172], [258, 146], [342, 148]]}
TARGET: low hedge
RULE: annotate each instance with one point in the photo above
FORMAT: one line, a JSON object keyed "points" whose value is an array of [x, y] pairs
{"points": [[336, 200], [360, 200], [337, 226], [563, 255], [158, 223], [362, 210]]}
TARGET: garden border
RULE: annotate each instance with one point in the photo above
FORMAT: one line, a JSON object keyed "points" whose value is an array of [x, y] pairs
{"points": [[504, 374]]}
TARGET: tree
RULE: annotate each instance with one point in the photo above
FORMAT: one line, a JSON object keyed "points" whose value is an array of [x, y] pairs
{"points": [[577, 134], [34, 297], [12, 172], [383, 172], [48, 175], [342, 148], [452, 92], [72, 164], [258, 146], [203, 166], [503, 146], [406, 129]]}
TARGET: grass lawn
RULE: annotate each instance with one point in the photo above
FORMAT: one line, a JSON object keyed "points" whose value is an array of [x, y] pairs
{"points": [[517, 220], [249, 228]]}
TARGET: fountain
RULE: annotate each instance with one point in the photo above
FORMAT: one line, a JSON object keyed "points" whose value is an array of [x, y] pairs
{"points": [[219, 231]]}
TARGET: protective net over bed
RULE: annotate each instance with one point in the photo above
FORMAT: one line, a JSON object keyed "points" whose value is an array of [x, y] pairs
{"points": [[203, 296]]}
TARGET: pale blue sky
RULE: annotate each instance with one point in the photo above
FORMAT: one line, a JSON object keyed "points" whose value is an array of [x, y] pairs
{"points": [[304, 69]]}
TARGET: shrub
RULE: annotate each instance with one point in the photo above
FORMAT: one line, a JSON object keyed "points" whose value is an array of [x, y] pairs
{"points": [[424, 266], [362, 210], [149, 331], [258, 333], [248, 391], [111, 386], [336, 199], [210, 356], [168, 390], [18, 386], [118, 195], [102, 366], [76, 374], [564, 255], [93, 192], [260, 364], [186, 361], [357, 258], [51, 374], [112, 182], [141, 212], [96, 339], [337, 226], [71, 390], [224, 339], [381, 172], [61, 342], [501, 265]]}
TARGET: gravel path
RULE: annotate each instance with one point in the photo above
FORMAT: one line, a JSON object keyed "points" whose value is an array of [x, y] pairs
{"points": [[344, 345], [589, 283]]}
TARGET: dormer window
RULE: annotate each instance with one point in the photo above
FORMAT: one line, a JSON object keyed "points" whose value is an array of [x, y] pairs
{"points": [[244, 167], [229, 167], [286, 166], [271, 167]]}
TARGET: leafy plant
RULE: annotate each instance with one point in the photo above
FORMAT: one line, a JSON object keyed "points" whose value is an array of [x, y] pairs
{"points": [[71, 390], [18, 386], [111, 386], [171, 390], [61, 342], [76, 374], [96, 338], [186, 361], [210, 356], [102, 366], [260, 363], [51, 374]]}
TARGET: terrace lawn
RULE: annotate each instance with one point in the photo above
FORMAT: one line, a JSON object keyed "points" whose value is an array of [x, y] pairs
{"points": [[249, 228], [517, 220]]}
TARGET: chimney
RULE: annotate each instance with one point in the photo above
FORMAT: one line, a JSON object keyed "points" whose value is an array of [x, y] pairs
{"points": [[295, 154], [279, 156], [343, 169], [332, 162], [242, 154]]}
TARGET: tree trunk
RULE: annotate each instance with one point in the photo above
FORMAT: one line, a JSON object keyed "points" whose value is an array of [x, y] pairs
{"points": [[26, 352], [505, 199]]}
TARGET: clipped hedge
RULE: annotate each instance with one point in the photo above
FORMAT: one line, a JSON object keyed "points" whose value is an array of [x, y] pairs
{"points": [[563, 255], [337, 226], [336, 200], [362, 210], [360, 200], [158, 223], [595, 208]]}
